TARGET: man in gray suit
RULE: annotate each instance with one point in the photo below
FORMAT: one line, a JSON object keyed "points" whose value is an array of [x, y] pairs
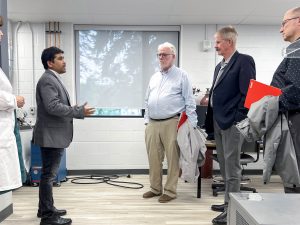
{"points": [[53, 130]]}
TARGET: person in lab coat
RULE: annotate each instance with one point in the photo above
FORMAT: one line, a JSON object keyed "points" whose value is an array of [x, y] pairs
{"points": [[10, 176]]}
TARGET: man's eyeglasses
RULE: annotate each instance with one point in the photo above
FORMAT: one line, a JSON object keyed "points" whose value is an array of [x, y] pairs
{"points": [[163, 55], [287, 20]]}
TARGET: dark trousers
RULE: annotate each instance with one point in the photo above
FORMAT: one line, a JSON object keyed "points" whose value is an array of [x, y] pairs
{"points": [[294, 126], [51, 158]]}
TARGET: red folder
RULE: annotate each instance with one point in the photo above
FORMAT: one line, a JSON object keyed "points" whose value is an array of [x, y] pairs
{"points": [[258, 90], [183, 118]]}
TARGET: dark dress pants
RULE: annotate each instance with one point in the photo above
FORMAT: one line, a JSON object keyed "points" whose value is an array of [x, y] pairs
{"points": [[294, 125], [51, 158]]}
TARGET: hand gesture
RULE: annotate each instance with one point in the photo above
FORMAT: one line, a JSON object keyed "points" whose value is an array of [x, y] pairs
{"points": [[88, 110], [20, 101]]}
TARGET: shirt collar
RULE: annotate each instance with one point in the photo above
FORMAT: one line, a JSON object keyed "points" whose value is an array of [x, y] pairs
{"points": [[55, 73], [225, 62], [167, 71]]}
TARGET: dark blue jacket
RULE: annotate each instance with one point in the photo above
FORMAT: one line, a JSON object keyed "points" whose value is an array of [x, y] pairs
{"points": [[287, 78], [230, 92]]}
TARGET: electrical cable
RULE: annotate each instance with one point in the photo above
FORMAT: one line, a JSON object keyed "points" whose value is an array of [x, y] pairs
{"points": [[98, 179]]}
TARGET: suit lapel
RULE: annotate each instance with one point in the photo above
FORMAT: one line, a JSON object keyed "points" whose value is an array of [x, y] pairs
{"points": [[226, 69], [62, 85]]}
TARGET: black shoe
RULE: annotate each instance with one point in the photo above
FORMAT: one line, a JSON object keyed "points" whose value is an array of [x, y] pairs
{"points": [[220, 219], [55, 220], [289, 190], [219, 208], [56, 212]]}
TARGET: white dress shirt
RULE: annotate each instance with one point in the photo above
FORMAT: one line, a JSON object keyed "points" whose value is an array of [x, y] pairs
{"points": [[170, 93]]}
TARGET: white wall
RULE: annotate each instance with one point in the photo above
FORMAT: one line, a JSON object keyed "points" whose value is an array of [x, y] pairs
{"points": [[28, 43], [107, 143], [198, 63], [263, 43]]}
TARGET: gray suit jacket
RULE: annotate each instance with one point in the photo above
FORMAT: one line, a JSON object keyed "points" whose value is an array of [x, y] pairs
{"points": [[279, 150], [54, 123]]}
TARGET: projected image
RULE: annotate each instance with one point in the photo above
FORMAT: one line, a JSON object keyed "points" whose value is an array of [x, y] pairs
{"points": [[114, 68], [117, 112]]}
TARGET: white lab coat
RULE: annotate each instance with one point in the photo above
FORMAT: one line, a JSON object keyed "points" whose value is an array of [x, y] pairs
{"points": [[10, 175]]}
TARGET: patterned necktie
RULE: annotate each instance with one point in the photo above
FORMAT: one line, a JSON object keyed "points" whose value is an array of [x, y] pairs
{"points": [[223, 65]]}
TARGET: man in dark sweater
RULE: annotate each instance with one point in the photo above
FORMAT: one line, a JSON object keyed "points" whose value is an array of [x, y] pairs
{"points": [[287, 78]]}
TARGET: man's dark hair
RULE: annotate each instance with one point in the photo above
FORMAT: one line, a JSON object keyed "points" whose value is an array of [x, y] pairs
{"points": [[49, 55]]}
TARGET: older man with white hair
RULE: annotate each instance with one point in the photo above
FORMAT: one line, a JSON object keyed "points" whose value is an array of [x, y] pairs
{"points": [[169, 93]]}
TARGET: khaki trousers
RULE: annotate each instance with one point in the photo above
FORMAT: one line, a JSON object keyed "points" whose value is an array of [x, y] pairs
{"points": [[161, 140]]}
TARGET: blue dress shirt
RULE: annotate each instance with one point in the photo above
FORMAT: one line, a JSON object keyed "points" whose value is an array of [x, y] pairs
{"points": [[170, 93]]}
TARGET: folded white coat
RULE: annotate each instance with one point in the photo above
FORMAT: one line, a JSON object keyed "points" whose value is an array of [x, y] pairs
{"points": [[191, 142]]}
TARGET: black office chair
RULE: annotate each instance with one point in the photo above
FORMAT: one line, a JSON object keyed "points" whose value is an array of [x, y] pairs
{"points": [[218, 186]]}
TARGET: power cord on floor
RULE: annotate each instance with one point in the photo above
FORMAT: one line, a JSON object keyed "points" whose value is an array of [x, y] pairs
{"points": [[111, 180]]}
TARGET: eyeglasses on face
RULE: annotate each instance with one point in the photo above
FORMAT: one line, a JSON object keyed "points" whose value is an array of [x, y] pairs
{"points": [[287, 20], [163, 55]]}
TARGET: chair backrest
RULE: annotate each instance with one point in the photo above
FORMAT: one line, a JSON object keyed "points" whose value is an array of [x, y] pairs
{"points": [[201, 114], [250, 147]]}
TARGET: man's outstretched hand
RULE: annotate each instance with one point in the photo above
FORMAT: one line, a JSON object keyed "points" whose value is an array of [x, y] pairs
{"points": [[88, 110]]}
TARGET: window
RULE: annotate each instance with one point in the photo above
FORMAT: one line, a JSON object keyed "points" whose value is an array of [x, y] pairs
{"points": [[114, 65]]}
